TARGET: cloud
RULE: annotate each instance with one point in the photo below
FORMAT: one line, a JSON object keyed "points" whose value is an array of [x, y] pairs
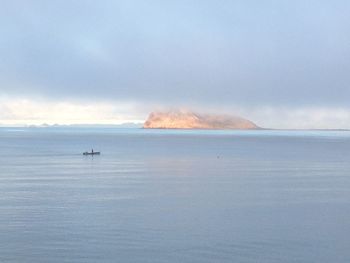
{"points": [[24, 111], [246, 52], [243, 54], [17, 111], [299, 118]]}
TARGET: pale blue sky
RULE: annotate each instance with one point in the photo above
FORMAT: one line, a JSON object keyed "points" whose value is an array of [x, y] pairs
{"points": [[207, 53]]}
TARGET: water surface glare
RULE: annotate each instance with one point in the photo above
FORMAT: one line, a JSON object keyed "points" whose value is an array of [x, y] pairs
{"points": [[174, 196]]}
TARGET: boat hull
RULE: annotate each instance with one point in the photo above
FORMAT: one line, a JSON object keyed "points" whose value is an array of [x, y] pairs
{"points": [[92, 153]]}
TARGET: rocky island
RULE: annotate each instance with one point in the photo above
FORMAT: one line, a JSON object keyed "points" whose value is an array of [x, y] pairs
{"points": [[190, 120]]}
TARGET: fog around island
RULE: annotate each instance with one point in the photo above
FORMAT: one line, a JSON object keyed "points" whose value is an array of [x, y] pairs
{"points": [[281, 64]]}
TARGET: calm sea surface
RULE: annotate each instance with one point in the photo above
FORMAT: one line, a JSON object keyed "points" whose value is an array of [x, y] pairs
{"points": [[174, 196]]}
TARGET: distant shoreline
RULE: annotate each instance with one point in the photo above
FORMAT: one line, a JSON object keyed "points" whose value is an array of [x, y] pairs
{"points": [[92, 126]]}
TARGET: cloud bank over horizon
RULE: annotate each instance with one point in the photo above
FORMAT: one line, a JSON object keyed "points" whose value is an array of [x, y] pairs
{"points": [[271, 61], [23, 112], [37, 112]]}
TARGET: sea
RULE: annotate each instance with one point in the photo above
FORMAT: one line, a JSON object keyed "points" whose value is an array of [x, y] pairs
{"points": [[174, 196]]}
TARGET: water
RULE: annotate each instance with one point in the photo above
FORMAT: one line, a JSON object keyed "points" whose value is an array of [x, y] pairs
{"points": [[174, 196]]}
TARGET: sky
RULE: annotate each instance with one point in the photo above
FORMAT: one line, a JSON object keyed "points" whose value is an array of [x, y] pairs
{"points": [[279, 63]]}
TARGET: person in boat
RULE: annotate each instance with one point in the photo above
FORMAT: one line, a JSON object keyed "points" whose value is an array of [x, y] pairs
{"points": [[92, 150]]}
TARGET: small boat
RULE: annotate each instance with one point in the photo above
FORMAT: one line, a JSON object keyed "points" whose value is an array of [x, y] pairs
{"points": [[91, 153]]}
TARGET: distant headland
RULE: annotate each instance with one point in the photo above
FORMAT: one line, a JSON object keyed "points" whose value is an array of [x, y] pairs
{"points": [[183, 119]]}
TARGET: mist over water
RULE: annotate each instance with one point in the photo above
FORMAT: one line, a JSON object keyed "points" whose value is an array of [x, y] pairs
{"points": [[174, 196]]}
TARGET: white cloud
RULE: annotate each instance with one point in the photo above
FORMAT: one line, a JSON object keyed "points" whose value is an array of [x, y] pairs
{"points": [[27, 111], [37, 111], [299, 118]]}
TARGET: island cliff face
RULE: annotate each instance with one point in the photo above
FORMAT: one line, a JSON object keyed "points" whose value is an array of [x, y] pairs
{"points": [[191, 120]]}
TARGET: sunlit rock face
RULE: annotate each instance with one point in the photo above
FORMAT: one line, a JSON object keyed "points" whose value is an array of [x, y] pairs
{"points": [[191, 120]]}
